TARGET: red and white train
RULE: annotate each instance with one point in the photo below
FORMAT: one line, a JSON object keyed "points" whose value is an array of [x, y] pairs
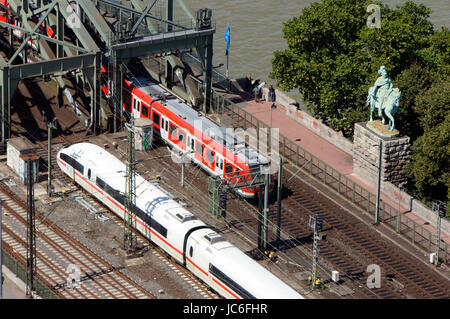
{"points": [[218, 150], [177, 231]]}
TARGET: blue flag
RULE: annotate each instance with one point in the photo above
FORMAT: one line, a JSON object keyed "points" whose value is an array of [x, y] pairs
{"points": [[227, 37]]}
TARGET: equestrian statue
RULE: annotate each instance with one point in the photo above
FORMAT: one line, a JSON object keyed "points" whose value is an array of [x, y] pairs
{"points": [[384, 97]]}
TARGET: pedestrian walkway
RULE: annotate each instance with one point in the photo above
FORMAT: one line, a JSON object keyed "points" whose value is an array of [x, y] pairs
{"points": [[319, 147], [13, 288]]}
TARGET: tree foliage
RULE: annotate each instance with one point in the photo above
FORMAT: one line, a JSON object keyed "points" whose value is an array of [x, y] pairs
{"points": [[333, 56], [430, 159]]}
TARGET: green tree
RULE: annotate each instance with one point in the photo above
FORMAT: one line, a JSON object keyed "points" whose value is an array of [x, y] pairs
{"points": [[332, 55], [430, 162], [437, 55], [430, 158], [413, 83]]}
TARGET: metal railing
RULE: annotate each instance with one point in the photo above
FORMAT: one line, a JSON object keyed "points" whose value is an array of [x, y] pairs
{"points": [[330, 176]]}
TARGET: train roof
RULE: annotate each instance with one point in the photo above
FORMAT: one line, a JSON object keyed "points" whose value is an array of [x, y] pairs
{"points": [[149, 197], [243, 269], [223, 136]]}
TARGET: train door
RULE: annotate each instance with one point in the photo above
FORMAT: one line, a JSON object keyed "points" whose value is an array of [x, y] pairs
{"points": [[209, 158], [90, 172], [219, 165], [70, 171], [164, 131], [192, 254], [190, 145], [136, 107]]}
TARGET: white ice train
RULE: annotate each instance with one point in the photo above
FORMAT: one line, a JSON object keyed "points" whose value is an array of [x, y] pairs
{"points": [[166, 223]]}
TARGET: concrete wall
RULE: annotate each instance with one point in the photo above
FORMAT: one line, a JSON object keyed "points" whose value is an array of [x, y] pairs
{"points": [[310, 122], [414, 205]]}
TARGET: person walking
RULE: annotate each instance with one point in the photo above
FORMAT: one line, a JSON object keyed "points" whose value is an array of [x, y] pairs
{"points": [[256, 93]]}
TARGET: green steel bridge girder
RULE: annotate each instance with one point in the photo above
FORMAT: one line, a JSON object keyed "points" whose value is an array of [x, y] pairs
{"points": [[200, 39], [10, 77], [161, 43]]}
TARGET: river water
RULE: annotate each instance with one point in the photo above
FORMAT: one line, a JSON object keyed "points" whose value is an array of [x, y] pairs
{"points": [[256, 30]]}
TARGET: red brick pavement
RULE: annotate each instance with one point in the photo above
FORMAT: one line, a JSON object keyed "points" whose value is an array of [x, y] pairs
{"points": [[322, 149]]}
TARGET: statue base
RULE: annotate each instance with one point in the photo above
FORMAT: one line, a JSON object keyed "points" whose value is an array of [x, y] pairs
{"points": [[381, 129], [395, 154]]}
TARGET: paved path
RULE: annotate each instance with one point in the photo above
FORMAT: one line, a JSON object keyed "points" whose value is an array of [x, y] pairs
{"points": [[317, 146]]}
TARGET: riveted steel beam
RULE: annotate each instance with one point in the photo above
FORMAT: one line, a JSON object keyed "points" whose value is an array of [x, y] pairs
{"points": [[137, 12], [42, 37], [25, 42], [141, 18], [78, 28], [101, 26], [60, 65], [160, 43]]}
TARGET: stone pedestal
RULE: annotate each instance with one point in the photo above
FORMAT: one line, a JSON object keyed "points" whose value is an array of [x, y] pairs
{"points": [[395, 154]]}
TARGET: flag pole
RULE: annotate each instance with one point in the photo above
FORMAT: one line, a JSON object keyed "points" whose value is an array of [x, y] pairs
{"points": [[227, 37]]}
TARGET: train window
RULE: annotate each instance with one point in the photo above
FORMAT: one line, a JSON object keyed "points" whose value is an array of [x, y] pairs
{"points": [[100, 183], [221, 164], [155, 118], [144, 110], [134, 104], [162, 123], [192, 143], [217, 161], [89, 173], [199, 148], [210, 156], [126, 97], [66, 158], [78, 166], [191, 251], [181, 136], [228, 168], [166, 125], [173, 130], [230, 282]]}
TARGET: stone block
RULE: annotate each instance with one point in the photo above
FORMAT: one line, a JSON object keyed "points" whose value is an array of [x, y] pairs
{"points": [[395, 152]]}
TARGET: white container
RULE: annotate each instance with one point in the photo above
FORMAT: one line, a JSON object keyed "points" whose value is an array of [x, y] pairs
{"points": [[432, 258], [335, 276], [16, 147]]}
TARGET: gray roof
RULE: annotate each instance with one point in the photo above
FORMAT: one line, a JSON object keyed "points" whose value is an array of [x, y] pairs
{"points": [[222, 135]]}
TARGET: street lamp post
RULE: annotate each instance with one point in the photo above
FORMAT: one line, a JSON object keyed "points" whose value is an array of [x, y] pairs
{"points": [[182, 167], [51, 125], [377, 205], [399, 216], [441, 211], [273, 106]]}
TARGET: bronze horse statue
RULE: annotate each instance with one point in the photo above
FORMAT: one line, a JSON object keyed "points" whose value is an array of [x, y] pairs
{"points": [[385, 98]]}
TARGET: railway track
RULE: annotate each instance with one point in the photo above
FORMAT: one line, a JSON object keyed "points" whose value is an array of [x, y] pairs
{"points": [[416, 278], [341, 226], [196, 284], [57, 250]]}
